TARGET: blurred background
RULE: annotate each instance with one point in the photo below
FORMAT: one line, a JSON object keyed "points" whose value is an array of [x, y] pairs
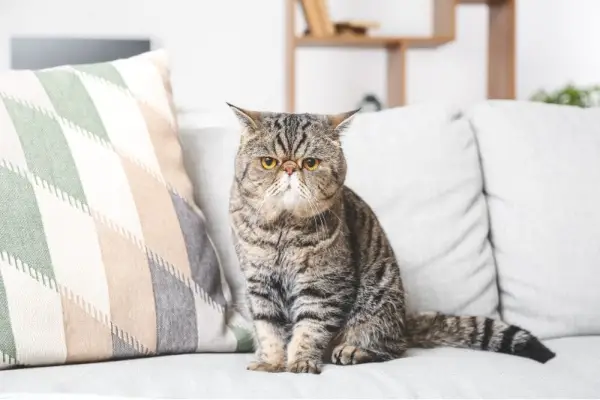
{"points": [[235, 50]]}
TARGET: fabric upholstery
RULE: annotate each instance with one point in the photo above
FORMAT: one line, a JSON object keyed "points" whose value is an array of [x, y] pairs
{"points": [[103, 251], [541, 165], [208, 156], [437, 373]]}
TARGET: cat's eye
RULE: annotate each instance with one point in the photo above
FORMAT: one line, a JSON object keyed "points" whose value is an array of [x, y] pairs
{"points": [[310, 163], [268, 162]]}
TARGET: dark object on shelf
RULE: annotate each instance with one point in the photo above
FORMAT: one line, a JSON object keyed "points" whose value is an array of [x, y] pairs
{"points": [[370, 103], [357, 28], [350, 28], [47, 52]]}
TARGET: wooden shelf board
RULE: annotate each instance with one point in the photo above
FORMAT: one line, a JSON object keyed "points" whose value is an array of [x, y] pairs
{"points": [[427, 43], [348, 41], [481, 1], [371, 41]]}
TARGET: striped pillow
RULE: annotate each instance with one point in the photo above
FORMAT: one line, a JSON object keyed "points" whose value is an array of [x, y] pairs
{"points": [[103, 253]]}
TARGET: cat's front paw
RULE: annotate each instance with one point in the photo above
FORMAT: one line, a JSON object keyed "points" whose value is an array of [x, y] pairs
{"points": [[304, 367], [265, 367], [348, 355]]}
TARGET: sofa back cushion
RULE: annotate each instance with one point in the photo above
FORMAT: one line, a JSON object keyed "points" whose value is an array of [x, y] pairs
{"points": [[103, 252], [541, 165], [418, 168]]}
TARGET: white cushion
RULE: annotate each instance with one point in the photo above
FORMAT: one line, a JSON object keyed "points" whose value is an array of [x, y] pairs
{"points": [[437, 373], [541, 165], [418, 168], [209, 153]]}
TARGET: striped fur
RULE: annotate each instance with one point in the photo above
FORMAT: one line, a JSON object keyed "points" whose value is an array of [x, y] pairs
{"points": [[322, 279]]}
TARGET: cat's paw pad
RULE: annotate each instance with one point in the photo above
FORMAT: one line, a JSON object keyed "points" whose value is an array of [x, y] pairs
{"points": [[304, 367], [265, 367], [348, 355]]}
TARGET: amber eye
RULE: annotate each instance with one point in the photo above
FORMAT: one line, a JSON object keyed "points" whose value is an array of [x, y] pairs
{"points": [[268, 162], [310, 163]]}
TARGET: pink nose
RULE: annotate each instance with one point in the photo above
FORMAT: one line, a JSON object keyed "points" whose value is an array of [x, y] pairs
{"points": [[289, 167]]}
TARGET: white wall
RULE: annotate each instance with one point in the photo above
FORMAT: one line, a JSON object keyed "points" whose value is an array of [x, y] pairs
{"points": [[233, 50], [558, 42]]}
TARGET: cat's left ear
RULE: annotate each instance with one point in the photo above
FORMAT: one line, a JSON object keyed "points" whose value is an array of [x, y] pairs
{"points": [[248, 119], [341, 122]]}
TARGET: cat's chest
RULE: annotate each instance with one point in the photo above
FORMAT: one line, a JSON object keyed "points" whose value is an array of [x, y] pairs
{"points": [[272, 243], [288, 252]]}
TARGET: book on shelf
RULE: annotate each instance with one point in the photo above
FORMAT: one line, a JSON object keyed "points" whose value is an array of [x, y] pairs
{"points": [[310, 9], [326, 21], [316, 15]]}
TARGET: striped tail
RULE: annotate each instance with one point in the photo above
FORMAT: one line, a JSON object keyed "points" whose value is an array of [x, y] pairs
{"points": [[433, 329]]}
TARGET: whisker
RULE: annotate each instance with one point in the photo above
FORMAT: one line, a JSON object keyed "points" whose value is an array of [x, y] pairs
{"points": [[305, 189], [313, 203], [333, 212], [318, 228], [307, 197], [257, 215], [322, 217], [330, 210], [321, 228], [275, 187]]}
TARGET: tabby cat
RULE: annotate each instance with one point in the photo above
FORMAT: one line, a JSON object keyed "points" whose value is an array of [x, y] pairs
{"points": [[322, 280]]}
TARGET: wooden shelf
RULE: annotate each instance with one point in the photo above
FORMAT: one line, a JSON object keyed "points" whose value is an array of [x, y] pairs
{"points": [[427, 43], [488, 2], [501, 48], [348, 41], [371, 41]]}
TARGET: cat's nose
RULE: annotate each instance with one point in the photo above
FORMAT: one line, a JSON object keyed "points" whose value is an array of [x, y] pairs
{"points": [[289, 167]]}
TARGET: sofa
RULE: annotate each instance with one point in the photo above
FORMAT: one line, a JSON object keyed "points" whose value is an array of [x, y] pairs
{"points": [[492, 209]]}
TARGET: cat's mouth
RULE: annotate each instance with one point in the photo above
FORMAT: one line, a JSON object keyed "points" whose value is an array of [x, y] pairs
{"points": [[287, 194]]}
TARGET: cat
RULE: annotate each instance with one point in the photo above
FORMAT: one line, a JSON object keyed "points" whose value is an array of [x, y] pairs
{"points": [[322, 280]]}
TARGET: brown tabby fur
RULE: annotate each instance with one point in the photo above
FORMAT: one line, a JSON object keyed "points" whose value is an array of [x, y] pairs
{"points": [[322, 278]]}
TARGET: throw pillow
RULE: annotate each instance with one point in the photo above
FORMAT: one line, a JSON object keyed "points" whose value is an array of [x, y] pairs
{"points": [[103, 252]]}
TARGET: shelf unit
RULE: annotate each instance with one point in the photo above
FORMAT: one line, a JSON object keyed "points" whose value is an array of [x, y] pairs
{"points": [[501, 58]]}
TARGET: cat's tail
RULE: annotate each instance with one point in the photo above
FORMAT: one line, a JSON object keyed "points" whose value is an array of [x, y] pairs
{"points": [[432, 329]]}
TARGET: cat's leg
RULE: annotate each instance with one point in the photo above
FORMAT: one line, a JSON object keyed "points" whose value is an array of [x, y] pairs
{"points": [[371, 338], [310, 337], [318, 314], [271, 329], [368, 343], [270, 347]]}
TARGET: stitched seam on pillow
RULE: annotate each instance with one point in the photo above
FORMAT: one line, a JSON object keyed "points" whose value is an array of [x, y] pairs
{"points": [[41, 183], [128, 92], [6, 359], [74, 298], [106, 144]]}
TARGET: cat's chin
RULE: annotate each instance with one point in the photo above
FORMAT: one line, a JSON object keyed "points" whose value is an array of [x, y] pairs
{"points": [[290, 205], [291, 200]]}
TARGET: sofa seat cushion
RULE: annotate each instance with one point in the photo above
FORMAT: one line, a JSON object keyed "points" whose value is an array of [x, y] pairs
{"points": [[436, 373], [541, 168]]}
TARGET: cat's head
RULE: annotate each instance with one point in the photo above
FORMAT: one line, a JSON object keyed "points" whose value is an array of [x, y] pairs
{"points": [[290, 162]]}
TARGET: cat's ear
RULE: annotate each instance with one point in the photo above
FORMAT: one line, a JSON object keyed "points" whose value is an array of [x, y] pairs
{"points": [[341, 122], [248, 119]]}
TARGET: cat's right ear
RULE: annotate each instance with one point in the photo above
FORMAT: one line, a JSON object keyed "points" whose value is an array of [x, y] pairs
{"points": [[248, 119], [341, 122]]}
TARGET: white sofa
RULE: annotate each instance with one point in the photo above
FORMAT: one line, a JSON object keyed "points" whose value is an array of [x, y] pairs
{"points": [[492, 210]]}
